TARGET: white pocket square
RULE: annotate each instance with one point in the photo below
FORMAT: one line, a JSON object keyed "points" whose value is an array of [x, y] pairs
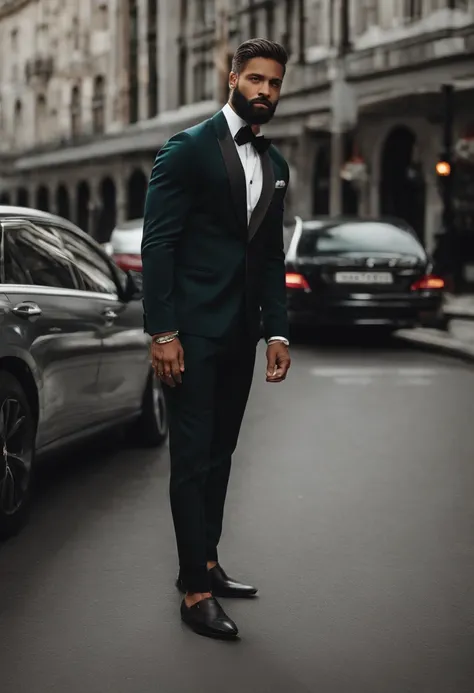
{"points": [[280, 184]]}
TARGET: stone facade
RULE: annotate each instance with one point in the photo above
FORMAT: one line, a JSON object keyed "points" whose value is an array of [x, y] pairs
{"points": [[89, 91]]}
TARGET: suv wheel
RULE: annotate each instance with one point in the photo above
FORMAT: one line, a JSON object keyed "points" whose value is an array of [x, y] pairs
{"points": [[153, 423], [17, 436]]}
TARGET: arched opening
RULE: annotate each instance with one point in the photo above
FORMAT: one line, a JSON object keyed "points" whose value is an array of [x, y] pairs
{"points": [[137, 187], [42, 198], [22, 197], [4, 198], [62, 202], [402, 185], [108, 212], [83, 204], [322, 178]]}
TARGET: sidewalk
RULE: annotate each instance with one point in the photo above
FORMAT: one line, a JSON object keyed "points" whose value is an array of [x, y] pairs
{"points": [[458, 339]]}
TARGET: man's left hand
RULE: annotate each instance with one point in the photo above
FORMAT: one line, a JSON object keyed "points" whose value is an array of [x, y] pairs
{"points": [[278, 362]]}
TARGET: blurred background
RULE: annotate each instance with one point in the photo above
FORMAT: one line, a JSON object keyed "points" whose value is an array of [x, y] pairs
{"points": [[376, 116]]}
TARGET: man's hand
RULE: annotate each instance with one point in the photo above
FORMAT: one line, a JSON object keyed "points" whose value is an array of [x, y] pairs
{"points": [[168, 361], [278, 362]]}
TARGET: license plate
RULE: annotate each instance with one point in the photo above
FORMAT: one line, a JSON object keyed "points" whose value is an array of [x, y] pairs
{"points": [[364, 278]]}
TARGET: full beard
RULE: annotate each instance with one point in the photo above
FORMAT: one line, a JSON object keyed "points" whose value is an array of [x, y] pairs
{"points": [[253, 115]]}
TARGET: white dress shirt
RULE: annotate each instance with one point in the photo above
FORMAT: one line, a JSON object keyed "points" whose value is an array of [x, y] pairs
{"points": [[250, 159], [252, 166]]}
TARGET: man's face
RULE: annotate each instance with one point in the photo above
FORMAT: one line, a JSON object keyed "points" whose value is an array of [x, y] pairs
{"points": [[256, 90]]}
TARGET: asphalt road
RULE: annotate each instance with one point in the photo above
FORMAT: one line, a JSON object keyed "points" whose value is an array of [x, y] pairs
{"points": [[351, 508]]}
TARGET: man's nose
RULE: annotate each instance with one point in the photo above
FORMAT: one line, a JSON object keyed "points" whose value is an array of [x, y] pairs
{"points": [[265, 91]]}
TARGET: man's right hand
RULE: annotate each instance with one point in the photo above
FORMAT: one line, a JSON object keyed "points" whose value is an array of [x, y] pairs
{"points": [[168, 361]]}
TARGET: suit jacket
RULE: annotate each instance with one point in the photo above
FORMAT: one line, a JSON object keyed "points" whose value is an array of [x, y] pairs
{"points": [[202, 261]]}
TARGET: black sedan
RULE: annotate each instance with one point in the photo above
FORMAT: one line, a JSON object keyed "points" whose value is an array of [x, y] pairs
{"points": [[360, 272], [74, 359]]}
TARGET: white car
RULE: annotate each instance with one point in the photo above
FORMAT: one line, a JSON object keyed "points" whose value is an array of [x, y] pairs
{"points": [[125, 245]]}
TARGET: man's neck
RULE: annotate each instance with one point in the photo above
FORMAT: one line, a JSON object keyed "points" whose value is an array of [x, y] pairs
{"points": [[255, 128]]}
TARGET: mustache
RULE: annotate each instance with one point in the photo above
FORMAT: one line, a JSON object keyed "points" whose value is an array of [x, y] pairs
{"points": [[262, 101]]}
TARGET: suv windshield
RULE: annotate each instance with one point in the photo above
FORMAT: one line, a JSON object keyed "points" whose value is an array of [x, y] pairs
{"points": [[370, 237]]}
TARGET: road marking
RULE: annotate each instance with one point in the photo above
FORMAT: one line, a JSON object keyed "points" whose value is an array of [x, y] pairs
{"points": [[370, 372], [363, 376], [353, 380], [415, 381]]}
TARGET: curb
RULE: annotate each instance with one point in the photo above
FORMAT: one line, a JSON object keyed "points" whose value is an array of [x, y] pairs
{"points": [[437, 342]]}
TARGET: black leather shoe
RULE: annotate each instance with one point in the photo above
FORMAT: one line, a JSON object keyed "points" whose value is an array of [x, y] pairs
{"points": [[208, 618], [224, 586]]}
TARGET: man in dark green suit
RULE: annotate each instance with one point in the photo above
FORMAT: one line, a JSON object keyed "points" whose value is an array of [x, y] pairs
{"points": [[213, 267]]}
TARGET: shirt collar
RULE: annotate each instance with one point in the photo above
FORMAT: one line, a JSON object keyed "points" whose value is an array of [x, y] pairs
{"points": [[234, 121]]}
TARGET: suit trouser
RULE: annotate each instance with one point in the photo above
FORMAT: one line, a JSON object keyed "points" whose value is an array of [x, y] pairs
{"points": [[205, 416]]}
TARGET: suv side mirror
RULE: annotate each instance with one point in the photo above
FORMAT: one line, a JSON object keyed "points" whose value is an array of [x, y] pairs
{"points": [[133, 290]]}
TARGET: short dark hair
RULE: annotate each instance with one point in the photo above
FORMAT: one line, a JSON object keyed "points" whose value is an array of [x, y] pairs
{"points": [[258, 48]]}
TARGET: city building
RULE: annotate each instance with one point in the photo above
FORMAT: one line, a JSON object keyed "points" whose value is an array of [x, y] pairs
{"points": [[89, 92]]}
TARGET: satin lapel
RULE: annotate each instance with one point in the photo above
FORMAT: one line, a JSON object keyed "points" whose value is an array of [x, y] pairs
{"points": [[235, 170], [268, 188]]}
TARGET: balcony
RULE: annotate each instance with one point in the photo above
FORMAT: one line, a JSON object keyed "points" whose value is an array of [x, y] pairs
{"points": [[39, 69], [412, 53]]}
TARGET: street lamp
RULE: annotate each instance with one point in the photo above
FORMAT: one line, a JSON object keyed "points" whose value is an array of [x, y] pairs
{"points": [[343, 107], [445, 169]]}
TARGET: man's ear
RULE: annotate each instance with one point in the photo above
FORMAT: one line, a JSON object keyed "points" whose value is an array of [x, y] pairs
{"points": [[233, 80]]}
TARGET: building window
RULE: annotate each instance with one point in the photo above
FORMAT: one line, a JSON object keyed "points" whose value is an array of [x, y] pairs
{"points": [[183, 75], [253, 23], [301, 31], [75, 34], [315, 31], [368, 15], [183, 14], [413, 10], [101, 16], [270, 20], [133, 62], [41, 119], [18, 122], [98, 105], [14, 40], [199, 80], [201, 12], [76, 112], [287, 39], [152, 58], [203, 77]]}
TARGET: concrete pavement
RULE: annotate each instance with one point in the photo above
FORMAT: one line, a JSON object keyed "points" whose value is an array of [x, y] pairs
{"points": [[350, 507]]}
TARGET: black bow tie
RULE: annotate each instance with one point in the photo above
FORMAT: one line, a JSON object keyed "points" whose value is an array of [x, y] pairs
{"points": [[246, 135]]}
